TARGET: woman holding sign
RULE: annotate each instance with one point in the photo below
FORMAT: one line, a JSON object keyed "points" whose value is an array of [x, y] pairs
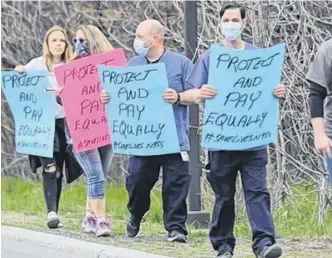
{"points": [[89, 40], [56, 50]]}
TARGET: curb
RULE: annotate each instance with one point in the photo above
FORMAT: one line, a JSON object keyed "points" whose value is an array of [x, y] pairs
{"points": [[20, 242]]}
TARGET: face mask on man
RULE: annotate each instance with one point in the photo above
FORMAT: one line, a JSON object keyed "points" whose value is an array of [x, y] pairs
{"points": [[139, 47], [231, 30], [81, 47]]}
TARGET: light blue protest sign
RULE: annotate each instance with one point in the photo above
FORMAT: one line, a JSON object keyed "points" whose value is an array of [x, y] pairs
{"points": [[140, 121], [244, 113], [33, 110]]}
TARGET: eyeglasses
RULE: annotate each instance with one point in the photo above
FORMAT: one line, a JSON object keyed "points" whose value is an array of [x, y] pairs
{"points": [[77, 39]]}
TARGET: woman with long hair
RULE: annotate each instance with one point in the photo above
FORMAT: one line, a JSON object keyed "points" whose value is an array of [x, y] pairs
{"points": [[89, 40], [56, 50]]}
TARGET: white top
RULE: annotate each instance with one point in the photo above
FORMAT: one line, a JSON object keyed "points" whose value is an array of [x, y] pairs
{"points": [[38, 64]]}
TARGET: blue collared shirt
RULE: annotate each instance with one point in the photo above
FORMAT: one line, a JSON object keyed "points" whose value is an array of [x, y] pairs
{"points": [[200, 73], [178, 67]]}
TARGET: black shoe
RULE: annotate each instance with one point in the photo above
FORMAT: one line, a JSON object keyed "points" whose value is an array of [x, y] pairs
{"points": [[132, 227], [176, 236], [224, 255], [271, 251]]}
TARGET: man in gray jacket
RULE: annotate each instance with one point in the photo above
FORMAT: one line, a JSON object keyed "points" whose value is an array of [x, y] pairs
{"points": [[320, 79]]}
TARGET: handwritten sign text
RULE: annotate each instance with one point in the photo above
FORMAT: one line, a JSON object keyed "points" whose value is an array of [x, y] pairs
{"points": [[85, 113], [244, 113], [141, 123], [33, 110]]}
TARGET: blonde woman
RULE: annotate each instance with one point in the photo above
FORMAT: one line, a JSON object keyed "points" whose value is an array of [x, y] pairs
{"points": [[89, 40], [56, 50]]}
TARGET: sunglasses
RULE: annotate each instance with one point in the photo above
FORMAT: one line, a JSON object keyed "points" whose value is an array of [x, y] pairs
{"points": [[77, 39]]}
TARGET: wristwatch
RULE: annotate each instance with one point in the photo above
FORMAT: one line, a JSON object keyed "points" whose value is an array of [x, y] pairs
{"points": [[178, 100]]}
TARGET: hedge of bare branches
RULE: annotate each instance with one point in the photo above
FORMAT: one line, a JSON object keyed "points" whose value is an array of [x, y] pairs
{"points": [[302, 25]]}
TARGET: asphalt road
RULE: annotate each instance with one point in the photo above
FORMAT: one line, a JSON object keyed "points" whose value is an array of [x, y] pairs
{"points": [[24, 243]]}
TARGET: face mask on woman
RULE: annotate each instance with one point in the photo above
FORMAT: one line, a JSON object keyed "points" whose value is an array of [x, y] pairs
{"points": [[81, 47]]}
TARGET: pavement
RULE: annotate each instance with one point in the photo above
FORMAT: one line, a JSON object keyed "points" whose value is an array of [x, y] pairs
{"points": [[24, 243]]}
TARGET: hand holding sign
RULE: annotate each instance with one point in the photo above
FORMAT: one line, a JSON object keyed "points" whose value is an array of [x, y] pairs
{"points": [[104, 97], [170, 96], [207, 92], [238, 117], [140, 121], [279, 91], [19, 69], [33, 110]]}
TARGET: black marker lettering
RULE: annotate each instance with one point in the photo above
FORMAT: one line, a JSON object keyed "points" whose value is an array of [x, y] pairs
{"points": [[28, 97], [237, 99], [32, 114], [244, 82], [123, 78], [236, 64], [132, 94], [243, 121], [24, 80], [223, 58]]}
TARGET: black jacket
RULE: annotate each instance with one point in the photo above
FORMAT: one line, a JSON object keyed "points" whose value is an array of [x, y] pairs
{"points": [[72, 168]]}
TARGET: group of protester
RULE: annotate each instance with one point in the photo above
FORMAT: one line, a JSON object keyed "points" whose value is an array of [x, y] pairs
{"points": [[187, 85]]}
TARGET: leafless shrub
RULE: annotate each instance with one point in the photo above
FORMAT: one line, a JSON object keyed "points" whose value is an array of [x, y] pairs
{"points": [[302, 25]]}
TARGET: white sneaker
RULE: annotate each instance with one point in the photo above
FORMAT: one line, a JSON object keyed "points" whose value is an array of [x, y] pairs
{"points": [[53, 220], [89, 224], [103, 228]]}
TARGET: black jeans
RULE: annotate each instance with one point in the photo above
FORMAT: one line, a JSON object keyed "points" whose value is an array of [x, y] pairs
{"points": [[222, 177], [52, 177], [52, 180], [144, 173]]}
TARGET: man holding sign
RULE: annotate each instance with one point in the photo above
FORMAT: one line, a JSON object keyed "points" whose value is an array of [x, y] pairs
{"points": [[225, 163], [144, 170]]}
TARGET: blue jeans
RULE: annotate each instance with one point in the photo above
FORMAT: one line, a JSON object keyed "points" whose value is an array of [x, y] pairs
{"points": [[95, 164], [329, 167]]}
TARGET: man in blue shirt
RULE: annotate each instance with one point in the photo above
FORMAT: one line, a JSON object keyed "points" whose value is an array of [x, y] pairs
{"points": [[144, 170], [224, 165]]}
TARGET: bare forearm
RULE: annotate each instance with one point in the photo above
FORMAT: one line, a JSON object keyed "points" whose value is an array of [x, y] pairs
{"points": [[318, 126], [190, 96]]}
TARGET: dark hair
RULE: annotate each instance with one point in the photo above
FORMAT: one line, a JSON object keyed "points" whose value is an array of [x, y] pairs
{"points": [[233, 6]]}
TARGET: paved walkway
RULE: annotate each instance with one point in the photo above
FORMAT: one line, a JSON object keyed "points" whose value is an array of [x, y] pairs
{"points": [[24, 243]]}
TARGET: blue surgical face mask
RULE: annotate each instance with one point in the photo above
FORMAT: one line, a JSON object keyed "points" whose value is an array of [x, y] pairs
{"points": [[81, 46], [82, 49], [231, 30], [139, 47]]}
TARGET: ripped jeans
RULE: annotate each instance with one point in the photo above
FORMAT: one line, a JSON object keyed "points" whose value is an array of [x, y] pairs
{"points": [[95, 164], [52, 180]]}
